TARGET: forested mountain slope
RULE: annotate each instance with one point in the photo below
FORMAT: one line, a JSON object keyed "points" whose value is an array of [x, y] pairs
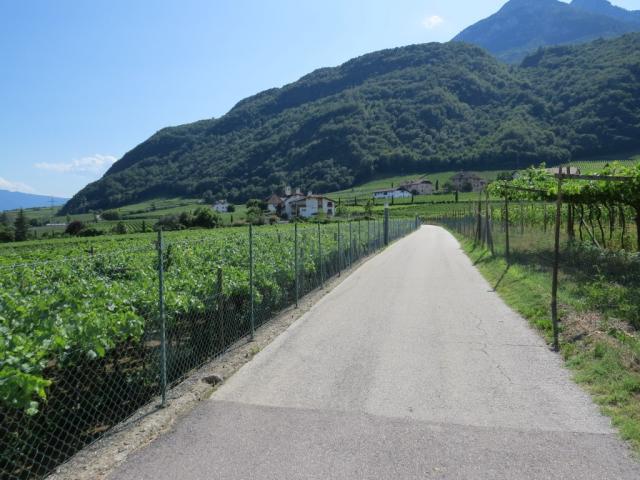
{"points": [[417, 108]]}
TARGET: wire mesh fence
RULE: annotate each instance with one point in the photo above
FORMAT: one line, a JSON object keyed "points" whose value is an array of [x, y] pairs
{"points": [[89, 340]]}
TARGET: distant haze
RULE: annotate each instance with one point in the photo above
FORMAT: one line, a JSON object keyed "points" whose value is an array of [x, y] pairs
{"points": [[13, 200]]}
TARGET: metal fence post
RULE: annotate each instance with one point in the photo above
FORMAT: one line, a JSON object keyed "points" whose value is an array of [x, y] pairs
{"points": [[251, 294], [386, 224], [220, 309], [163, 323], [506, 224], [556, 264], [350, 244], [296, 271], [339, 251], [320, 257]]}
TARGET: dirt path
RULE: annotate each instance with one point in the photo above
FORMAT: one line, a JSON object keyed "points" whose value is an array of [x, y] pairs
{"points": [[410, 368]]}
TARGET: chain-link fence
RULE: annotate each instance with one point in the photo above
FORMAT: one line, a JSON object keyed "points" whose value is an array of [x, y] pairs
{"points": [[89, 340]]}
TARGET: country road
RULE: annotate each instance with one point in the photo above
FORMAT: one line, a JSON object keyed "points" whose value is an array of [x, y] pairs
{"points": [[412, 368]]}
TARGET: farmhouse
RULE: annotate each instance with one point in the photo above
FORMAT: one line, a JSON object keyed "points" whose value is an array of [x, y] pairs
{"points": [[419, 187], [288, 202], [297, 204], [399, 192], [312, 205], [221, 206], [274, 203], [467, 182]]}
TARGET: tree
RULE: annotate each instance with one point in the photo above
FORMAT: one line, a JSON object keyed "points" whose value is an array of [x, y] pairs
{"points": [[368, 208], [120, 228], [208, 197], [255, 203], [21, 227], [74, 228], [110, 215], [437, 185], [231, 208], [6, 233], [205, 217]]}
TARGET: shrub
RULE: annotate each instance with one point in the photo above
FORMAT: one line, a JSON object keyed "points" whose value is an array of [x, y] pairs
{"points": [[74, 228], [110, 215]]}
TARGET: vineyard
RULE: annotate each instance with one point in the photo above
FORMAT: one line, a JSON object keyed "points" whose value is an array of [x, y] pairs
{"points": [[563, 250], [92, 330]]}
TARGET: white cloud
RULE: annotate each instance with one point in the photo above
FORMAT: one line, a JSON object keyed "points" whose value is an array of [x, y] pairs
{"points": [[93, 164], [15, 186], [432, 21]]}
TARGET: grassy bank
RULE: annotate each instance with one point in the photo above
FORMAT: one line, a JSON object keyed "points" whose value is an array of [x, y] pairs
{"points": [[600, 347]]}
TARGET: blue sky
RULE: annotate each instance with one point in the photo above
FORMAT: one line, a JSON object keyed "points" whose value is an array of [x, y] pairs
{"points": [[82, 82]]}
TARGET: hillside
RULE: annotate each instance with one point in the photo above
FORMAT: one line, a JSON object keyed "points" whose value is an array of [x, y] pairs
{"points": [[522, 26], [12, 200], [423, 107]]}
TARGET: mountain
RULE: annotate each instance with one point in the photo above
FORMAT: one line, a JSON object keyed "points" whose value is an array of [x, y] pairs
{"points": [[522, 26], [417, 108], [13, 200], [604, 7]]}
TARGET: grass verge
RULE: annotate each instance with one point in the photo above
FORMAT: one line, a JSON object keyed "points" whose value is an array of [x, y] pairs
{"points": [[602, 351]]}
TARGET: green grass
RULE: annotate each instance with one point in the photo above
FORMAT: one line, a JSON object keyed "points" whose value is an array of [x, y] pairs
{"points": [[603, 352]]}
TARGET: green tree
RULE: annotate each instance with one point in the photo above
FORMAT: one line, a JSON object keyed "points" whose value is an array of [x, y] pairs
{"points": [[110, 215], [368, 208], [120, 228], [74, 228], [205, 217], [21, 227]]}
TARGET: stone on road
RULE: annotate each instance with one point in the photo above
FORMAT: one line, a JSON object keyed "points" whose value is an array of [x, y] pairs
{"points": [[412, 368]]}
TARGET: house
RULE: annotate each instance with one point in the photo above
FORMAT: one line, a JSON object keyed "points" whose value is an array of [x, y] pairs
{"points": [[419, 187], [221, 206], [399, 192], [288, 202], [274, 203], [296, 204], [311, 205], [467, 182]]}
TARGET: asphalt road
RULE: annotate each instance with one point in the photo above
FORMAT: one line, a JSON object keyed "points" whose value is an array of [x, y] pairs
{"points": [[412, 368]]}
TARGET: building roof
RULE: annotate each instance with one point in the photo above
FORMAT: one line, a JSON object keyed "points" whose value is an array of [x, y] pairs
{"points": [[274, 199], [304, 198]]}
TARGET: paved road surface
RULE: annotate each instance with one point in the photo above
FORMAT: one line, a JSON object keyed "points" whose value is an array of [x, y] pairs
{"points": [[410, 369]]}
